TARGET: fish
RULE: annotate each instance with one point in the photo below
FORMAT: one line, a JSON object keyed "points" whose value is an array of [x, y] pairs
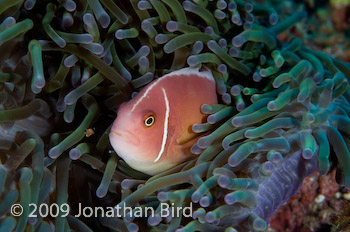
{"points": [[153, 131]]}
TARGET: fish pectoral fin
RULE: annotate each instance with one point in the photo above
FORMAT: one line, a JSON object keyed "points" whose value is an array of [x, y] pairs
{"points": [[184, 140]]}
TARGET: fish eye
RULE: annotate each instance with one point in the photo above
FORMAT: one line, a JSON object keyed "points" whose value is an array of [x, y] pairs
{"points": [[149, 121]]}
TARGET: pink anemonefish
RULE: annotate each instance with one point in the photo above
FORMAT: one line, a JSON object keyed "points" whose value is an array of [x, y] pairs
{"points": [[153, 131]]}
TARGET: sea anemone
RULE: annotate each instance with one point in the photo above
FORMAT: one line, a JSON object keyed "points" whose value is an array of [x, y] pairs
{"points": [[67, 65]]}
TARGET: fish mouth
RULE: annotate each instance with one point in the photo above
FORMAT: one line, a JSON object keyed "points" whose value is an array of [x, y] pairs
{"points": [[125, 136], [116, 133]]}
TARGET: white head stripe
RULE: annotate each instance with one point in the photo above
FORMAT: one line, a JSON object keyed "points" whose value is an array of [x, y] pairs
{"points": [[166, 122], [185, 72]]}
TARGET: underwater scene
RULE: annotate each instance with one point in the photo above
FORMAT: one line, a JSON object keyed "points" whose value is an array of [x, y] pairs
{"points": [[174, 115]]}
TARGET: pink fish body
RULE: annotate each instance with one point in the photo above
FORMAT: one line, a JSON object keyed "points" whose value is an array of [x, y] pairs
{"points": [[153, 131]]}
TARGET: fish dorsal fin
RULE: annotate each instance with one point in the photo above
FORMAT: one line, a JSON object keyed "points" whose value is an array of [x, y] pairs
{"points": [[189, 71], [181, 72]]}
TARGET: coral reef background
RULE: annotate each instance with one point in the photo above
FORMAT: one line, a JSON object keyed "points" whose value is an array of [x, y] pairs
{"points": [[320, 201], [66, 66]]}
